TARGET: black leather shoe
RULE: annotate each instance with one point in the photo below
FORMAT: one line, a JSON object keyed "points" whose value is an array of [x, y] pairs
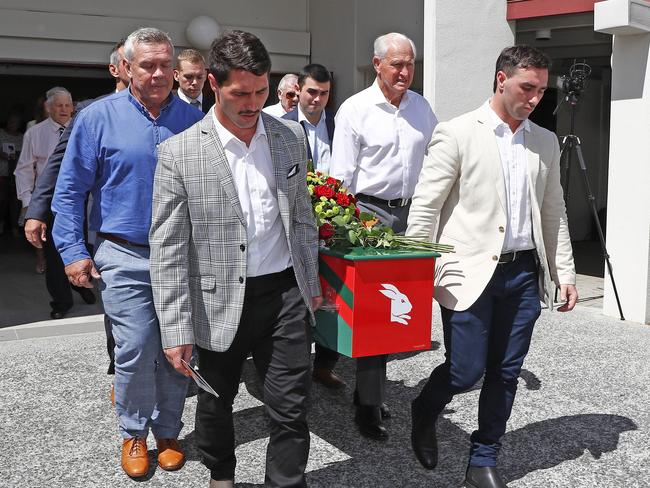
{"points": [[368, 418], [423, 436], [483, 477], [87, 295], [58, 313], [383, 408]]}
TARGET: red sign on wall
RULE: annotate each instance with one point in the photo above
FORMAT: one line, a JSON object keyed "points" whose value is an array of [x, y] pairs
{"points": [[525, 9]]}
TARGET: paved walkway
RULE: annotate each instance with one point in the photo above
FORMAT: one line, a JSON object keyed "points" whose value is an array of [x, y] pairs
{"points": [[581, 418]]}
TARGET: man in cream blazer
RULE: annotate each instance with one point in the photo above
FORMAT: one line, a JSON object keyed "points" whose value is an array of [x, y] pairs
{"points": [[490, 185], [234, 261]]}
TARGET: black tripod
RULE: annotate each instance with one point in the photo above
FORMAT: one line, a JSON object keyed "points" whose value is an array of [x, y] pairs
{"points": [[571, 143]]}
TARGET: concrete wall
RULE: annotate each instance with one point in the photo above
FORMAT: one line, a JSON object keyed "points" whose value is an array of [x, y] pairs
{"points": [[343, 31], [461, 46], [81, 32]]}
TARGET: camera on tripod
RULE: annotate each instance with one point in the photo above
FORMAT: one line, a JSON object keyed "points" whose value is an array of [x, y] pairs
{"points": [[574, 83]]}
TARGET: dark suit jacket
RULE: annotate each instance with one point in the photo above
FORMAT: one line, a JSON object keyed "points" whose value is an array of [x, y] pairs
{"points": [[39, 205], [329, 123], [206, 104]]}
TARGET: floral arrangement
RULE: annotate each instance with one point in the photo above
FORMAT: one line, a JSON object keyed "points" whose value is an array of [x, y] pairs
{"points": [[341, 223]]}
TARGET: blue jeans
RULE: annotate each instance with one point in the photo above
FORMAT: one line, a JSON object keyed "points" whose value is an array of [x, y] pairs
{"points": [[490, 338], [149, 393]]}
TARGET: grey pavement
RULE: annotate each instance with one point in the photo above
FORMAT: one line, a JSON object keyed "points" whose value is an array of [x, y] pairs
{"points": [[581, 418]]}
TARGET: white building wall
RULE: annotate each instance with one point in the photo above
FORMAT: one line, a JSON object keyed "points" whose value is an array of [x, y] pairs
{"points": [[343, 31], [628, 208], [461, 46], [82, 32]]}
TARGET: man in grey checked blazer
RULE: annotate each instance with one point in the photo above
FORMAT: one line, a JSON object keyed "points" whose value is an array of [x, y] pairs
{"points": [[234, 253]]}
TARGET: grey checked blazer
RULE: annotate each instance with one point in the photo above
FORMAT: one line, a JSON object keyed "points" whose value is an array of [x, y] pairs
{"points": [[198, 229]]}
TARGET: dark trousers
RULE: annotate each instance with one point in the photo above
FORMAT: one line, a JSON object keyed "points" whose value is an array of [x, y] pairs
{"points": [[324, 358], [371, 370], [274, 327], [490, 338], [57, 283]]}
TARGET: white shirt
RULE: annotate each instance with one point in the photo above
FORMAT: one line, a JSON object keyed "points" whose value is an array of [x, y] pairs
{"points": [[378, 149], [319, 141], [254, 177], [276, 110], [38, 145], [189, 100], [514, 161]]}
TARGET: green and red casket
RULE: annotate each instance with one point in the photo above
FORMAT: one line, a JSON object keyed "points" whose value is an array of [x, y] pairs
{"points": [[376, 301]]}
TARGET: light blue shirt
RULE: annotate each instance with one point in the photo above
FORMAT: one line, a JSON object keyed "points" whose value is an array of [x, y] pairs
{"points": [[112, 155]]}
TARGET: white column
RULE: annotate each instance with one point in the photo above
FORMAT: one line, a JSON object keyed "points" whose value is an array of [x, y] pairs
{"points": [[461, 46], [628, 201]]}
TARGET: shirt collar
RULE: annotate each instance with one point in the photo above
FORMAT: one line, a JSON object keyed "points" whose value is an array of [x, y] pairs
{"points": [[142, 109], [181, 94], [377, 96], [54, 125], [225, 136], [496, 121], [302, 117]]}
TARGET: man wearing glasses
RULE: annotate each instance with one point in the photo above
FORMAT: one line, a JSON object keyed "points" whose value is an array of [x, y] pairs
{"points": [[287, 96]]}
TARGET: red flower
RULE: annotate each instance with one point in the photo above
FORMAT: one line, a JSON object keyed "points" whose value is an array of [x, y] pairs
{"points": [[331, 181], [323, 191], [342, 199], [325, 231], [357, 212]]}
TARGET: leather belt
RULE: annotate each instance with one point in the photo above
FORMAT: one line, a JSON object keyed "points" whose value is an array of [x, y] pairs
{"points": [[510, 257], [394, 203], [119, 240]]}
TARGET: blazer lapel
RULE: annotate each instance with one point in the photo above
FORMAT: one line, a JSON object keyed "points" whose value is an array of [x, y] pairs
{"points": [[532, 153], [278, 156], [489, 142], [217, 157]]}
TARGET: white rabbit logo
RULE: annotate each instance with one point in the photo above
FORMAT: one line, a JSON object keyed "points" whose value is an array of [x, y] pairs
{"points": [[400, 305]]}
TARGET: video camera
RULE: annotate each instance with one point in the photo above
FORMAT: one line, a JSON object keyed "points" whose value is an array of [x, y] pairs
{"points": [[575, 82]]}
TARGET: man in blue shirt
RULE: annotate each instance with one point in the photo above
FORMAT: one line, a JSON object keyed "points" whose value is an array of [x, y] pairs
{"points": [[112, 154]]}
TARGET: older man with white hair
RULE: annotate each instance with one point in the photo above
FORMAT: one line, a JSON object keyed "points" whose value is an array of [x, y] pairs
{"points": [[287, 96], [112, 155], [381, 136], [38, 144]]}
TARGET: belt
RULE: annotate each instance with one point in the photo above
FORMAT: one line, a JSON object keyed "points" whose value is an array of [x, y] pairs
{"points": [[119, 240], [511, 257], [394, 203]]}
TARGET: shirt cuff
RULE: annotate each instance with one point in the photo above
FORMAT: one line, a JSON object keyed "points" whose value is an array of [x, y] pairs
{"points": [[74, 253]]}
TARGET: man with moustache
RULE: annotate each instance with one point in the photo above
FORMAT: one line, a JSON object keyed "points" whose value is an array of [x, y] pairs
{"points": [[234, 261], [112, 154], [287, 96], [490, 186], [190, 74], [380, 140]]}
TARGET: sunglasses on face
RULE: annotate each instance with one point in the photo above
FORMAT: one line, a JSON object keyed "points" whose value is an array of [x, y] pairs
{"points": [[290, 94]]}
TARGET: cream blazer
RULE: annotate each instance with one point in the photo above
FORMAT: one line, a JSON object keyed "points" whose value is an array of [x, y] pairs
{"points": [[460, 200]]}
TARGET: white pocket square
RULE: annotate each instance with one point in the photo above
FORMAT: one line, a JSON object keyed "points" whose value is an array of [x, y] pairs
{"points": [[293, 171]]}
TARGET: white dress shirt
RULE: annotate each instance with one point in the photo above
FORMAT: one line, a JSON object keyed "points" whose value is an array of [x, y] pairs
{"points": [[378, 148], [276, 110], [38, 145], [254, 177], [514, 161], [319, 141], [189, 100]]}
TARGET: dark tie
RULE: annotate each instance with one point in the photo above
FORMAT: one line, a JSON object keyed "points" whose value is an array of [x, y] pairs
{"points": [[196, 104], [61, 129]]}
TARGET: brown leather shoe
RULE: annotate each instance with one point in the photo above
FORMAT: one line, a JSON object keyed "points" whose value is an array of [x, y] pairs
{"points": [[135, 461], [328, 378], [113, 394], [170, 454]]}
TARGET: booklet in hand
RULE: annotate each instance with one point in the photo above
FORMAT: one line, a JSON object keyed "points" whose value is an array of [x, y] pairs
{"points": [[198, 379]]}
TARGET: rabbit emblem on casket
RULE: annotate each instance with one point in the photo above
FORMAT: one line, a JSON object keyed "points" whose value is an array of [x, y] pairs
{"points": [[400, 305]]}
